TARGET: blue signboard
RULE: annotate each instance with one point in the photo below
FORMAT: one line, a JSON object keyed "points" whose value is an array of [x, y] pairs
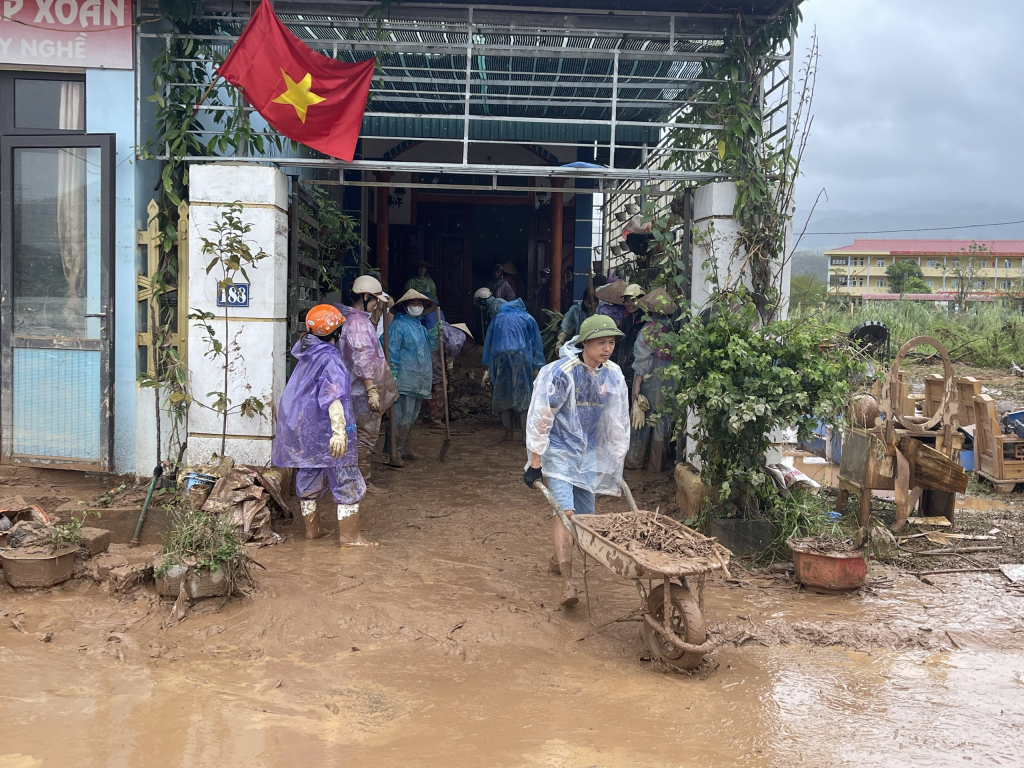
{"points": [[235, 295]]}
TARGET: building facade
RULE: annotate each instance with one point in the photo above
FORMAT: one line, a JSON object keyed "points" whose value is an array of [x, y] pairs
{"points": [[993, 267], [489, 132]]}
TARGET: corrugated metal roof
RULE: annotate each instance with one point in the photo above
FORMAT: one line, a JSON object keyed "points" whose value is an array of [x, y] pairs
{"points": [[504, 130], [931, 247]]}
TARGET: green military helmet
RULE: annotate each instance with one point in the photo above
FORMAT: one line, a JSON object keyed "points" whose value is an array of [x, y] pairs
{"points": [[597, 326]]}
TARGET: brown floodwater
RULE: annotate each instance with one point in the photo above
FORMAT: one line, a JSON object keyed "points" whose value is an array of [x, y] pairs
{"points": [[444, 646]]}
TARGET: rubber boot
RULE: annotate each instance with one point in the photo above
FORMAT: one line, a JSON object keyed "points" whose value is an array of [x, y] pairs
{"points": [[569, 594], [508, 422], [365, 469], [407, 451], [348, 527], [311, 519], [400, 439]]}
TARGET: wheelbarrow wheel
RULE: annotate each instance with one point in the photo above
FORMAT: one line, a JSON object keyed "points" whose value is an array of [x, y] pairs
{"points": [[686, 621]]}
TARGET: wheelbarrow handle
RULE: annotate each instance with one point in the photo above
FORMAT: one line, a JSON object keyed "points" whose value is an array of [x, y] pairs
{"points": [[539, 486], [629, 496]]}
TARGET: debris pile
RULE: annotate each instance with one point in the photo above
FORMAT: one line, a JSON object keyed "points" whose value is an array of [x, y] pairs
{"points": [[642, 530]]}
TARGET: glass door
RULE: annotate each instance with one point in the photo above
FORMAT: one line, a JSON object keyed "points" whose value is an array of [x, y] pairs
{"points": [[56, 319]]}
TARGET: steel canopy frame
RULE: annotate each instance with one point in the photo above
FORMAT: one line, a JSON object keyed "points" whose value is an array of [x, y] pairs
{"points": [[616, 78]]}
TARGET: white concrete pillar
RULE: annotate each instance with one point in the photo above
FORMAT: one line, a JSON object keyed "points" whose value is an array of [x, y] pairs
{"points": [[716, 232], [714, 235], [715, 242], [257, 333]]}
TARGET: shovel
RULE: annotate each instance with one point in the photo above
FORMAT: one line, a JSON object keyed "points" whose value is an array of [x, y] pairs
{"points": [[444, 388], [391, 408]]}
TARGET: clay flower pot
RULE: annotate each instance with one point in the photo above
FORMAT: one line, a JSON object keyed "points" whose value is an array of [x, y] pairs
{"points": [[828, 570]]}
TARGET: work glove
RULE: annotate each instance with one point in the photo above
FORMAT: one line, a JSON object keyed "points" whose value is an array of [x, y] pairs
{"points": [[560, 341], [531, 476], [640, 408], [339, 440], [373, 398], [486, 379]]}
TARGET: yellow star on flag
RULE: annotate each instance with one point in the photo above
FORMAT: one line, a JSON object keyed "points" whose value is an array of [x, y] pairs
{"points": [[299, 95]]}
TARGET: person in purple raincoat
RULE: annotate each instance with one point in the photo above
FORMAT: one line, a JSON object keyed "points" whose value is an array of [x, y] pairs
{"points": [[373, 386], [316, 430]]}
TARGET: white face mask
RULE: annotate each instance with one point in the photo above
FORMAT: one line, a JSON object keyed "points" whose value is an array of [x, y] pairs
{"points": [[415, 311]]}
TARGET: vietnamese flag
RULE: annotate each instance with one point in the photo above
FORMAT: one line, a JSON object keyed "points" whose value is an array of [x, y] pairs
{"points": [[304, 95]]}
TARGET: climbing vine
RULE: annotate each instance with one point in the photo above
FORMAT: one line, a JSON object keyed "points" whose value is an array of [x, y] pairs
{"points": [[764, 168], [737, 372]]}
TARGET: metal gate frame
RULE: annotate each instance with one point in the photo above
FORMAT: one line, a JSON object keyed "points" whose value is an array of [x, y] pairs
{"points": [[303, 260]]}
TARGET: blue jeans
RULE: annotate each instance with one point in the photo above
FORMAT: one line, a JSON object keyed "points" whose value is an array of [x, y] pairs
{"points": [[569, 496]]}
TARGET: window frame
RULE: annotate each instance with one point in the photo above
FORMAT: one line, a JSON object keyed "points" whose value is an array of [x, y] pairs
{"points": [[7, 78]]}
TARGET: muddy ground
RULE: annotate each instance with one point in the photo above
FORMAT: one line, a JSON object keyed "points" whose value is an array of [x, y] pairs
{"points": [[445, 646]]}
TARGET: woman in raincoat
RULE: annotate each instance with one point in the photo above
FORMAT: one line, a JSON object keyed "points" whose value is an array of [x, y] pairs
{"points": [[513, 350], [577, 431], [373, 387], [411, 365], [316, 431], [650, 358]]}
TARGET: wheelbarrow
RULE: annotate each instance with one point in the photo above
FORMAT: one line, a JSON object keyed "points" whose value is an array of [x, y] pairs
{"points": [[672, 620]]}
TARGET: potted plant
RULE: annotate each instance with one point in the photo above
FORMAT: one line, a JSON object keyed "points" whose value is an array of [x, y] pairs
{"points": [[203, 555], [44, 556]]}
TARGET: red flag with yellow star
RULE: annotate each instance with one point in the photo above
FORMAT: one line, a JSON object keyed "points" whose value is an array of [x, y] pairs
{"points": [[304, 95]]}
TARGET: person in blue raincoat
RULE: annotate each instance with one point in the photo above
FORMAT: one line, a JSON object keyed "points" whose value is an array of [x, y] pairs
{"points": [[577, 432], [316, 429], [409, 347], [433, 322], [513, 350]]}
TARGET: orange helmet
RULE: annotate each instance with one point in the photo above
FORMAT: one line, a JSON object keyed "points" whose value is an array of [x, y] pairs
{"points": [[324, 319]]}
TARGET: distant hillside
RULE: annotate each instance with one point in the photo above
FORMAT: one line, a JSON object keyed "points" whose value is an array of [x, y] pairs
{"points": [[808, 262]]}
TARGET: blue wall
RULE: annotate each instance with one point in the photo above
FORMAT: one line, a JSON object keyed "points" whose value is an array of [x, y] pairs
{"points": [[110, 108]]}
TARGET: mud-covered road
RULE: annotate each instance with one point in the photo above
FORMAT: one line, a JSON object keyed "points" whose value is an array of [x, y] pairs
{"points": [[444, 646]]}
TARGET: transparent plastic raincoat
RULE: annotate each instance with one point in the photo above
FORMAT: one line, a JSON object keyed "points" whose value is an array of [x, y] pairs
{"points": [[512, 350], [363, 356], [579, 422], [303, 435], [410, 355]]}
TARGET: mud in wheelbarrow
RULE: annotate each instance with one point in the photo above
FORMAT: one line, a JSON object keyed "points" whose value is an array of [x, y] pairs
{"points": [[673, 619]]}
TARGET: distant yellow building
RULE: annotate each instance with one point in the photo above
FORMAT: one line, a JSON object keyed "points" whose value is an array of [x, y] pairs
{"points": [[858, 270]]}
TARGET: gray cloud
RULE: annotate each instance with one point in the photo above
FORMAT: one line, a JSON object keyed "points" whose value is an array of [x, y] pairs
{"points": [[917, 112]]}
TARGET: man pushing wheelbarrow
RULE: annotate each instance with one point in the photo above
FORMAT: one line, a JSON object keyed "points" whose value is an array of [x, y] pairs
{"points": [[577, 432]]}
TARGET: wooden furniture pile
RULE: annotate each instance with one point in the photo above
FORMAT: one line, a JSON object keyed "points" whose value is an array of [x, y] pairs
{"points": [[917, 456]]}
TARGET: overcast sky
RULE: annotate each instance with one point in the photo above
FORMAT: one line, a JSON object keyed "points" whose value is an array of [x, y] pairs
{"points": [[919, 116]]}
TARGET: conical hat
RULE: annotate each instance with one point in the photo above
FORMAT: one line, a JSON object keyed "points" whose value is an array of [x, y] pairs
{"points": [[509, 268], [659, 302], [465, 329], [411, 295], [612, 292]]}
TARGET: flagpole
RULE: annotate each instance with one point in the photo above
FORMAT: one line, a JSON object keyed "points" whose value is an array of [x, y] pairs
{"points": [[205, 94]]}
